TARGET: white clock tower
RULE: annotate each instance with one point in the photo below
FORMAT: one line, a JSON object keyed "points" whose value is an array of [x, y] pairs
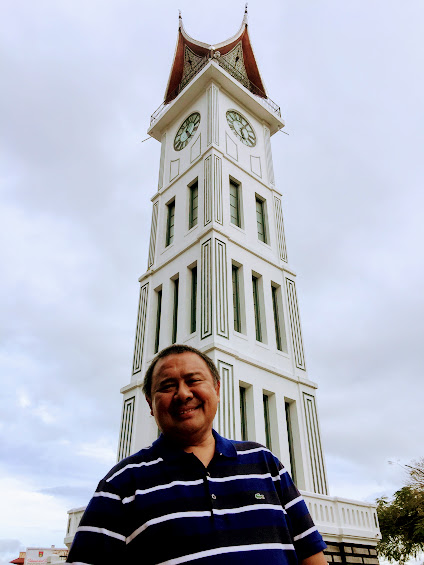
{"points": [[218, 277]]}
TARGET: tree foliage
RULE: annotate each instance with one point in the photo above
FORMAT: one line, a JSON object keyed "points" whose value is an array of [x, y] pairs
{"points": [[402, 518], [416, 474]]}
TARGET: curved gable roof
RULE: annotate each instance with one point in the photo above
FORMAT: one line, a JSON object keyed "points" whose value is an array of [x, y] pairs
{"points": [[200, 50]]}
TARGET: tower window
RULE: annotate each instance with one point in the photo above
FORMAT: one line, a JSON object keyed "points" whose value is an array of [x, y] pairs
{"points": [[267, 421], [276, 318], [158, 314], [175, 312], [193, 204], [290, 440], [193, 309], [257, 308], [280, 333], [243, 413], [260, 219], [170, 223], [235, 203], [236, 298]]}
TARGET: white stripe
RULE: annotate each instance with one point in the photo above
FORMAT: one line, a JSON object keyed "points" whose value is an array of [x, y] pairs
{"points": [[293, 502], [236, 477], [283, 472], [200, 514], [253, 450], [133, 465], [249, 508], [100, 531], [160, 487], [300, 536], [107, 495], [230, 549]]}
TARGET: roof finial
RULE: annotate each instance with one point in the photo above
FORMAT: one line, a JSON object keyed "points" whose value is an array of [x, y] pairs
{"points": [[245, 14], [180, 19]]}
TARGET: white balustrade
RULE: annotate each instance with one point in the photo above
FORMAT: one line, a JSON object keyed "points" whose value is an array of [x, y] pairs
{"points": [[337, 519], [342, 518], [74, 518]]}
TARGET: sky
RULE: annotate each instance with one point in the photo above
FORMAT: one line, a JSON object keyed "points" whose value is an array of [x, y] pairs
{"points": [[79, 83]]}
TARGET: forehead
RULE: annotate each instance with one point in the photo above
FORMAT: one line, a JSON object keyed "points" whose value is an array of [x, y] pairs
{"points": [[179, 364]]}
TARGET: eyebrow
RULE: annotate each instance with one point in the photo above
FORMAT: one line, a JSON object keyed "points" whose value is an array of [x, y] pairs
{"points": [[186, 376]]}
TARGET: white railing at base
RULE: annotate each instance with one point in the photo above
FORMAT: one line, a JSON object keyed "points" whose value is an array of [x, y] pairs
{"points": [[74, 518], [343, 518], [337, 518]]}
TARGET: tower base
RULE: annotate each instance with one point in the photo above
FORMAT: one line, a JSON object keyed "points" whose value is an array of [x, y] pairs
{"points": [[350, 553]]}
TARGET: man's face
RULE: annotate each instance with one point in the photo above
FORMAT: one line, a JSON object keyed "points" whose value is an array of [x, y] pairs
{"points": [[184, 397]]}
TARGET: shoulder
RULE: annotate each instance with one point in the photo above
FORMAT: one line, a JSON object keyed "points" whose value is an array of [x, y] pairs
{"points": [[251, 447], [141, 462], [250, 451]]}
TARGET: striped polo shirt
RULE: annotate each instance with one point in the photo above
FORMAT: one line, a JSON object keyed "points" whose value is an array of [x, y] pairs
{"points": [[162, 505]]}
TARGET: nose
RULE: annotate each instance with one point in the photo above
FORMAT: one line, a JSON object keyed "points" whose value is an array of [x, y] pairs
{"points": [[183, 392]]}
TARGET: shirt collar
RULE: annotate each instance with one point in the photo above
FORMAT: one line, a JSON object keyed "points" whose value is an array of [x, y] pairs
{"points": [[169, 450]]}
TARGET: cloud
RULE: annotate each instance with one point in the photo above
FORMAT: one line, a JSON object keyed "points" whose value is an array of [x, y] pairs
{"points": [[43, 513], [9, 549]]}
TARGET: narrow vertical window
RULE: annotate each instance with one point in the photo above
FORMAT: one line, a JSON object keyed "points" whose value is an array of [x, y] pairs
{"points": [[256, 308], [235, 203], [236, 299], [193, 309], [290, 439], [267, 422], [175, 312], [260, 220], [193, 204], [243, 413], [276, 318], [158, 313], [170, 223]]}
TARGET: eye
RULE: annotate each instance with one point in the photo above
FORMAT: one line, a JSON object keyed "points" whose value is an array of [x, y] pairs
{"points": [[164, 387], [193, 380]]}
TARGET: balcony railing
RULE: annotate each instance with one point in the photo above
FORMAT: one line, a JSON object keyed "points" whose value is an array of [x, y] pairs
{"points": [[74, 518], [342, 517], [230, 70], [333, 516]]}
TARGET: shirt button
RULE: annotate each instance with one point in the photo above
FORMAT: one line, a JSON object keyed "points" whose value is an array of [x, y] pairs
{"points": [[213, 496]]}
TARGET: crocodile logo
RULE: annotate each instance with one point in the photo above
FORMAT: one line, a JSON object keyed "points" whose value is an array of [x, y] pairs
{"points": [[259, 496]]}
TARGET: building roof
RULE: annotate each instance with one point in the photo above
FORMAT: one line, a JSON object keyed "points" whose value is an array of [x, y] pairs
{"points": [[236, 53], [18, 560]]}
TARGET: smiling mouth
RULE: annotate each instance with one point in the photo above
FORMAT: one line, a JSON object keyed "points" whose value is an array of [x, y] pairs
{"points": [[185, 411]]}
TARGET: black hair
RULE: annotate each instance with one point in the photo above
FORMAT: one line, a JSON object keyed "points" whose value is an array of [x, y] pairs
{"points": [[177, 349]]}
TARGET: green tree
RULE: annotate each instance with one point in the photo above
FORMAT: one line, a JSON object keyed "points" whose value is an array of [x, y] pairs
{"points": [[402, 518]]}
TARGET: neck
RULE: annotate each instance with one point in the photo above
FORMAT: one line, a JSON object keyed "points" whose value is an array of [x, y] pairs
{"points": [[203, 448]]}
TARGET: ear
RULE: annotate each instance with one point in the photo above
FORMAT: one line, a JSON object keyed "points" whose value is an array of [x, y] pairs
{"points": [[149, 402], [217, 388]]}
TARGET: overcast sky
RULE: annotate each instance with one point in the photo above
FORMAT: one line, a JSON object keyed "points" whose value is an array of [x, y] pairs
{"points": [[79, 82]]}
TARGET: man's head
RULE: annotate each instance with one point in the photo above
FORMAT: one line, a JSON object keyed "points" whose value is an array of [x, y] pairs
{"points": [[177, 349], [182, 388]]}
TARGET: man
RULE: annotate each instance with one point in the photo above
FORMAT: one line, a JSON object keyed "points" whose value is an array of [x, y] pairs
{"points": [[194, 496]]}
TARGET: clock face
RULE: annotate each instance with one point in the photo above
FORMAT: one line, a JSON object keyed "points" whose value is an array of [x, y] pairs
{"points": [[241, 128], [186, 131]]}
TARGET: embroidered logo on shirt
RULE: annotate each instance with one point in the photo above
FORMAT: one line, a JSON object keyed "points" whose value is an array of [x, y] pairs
{"points": [[259, 496]]}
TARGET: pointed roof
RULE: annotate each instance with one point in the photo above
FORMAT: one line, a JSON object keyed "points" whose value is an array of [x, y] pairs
{"points": [[235, 54]]}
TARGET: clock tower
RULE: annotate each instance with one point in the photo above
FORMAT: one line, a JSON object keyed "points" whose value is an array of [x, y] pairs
{"points": [[219, 279]]}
